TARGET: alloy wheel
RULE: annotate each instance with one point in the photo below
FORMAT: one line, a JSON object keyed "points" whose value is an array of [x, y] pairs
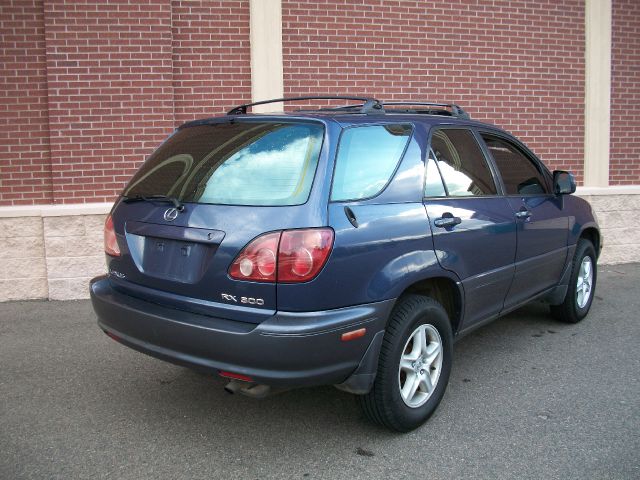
{"points": [[584, 282], [420, 365]]}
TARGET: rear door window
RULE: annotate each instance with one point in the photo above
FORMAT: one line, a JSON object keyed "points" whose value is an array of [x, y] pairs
{"points": [[367, 157], [240, 163], [464, 169], [519, 174]]}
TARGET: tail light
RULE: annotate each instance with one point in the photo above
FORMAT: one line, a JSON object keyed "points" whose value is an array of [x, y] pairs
{"points": [[290, 256], [257, 261], [110, 241], [303, 253]]}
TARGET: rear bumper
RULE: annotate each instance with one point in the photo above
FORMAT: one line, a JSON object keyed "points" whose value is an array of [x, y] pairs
{"points": [[288, 349]]}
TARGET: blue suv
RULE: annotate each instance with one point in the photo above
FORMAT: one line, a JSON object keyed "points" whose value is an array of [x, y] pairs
{"points": [[343, 245]]}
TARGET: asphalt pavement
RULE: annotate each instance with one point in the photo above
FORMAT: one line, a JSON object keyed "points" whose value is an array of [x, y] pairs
{"points": [[528, 398]]}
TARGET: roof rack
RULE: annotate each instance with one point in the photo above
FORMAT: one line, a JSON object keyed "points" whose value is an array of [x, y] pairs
{"points": [[369, 105], [440, 108]]}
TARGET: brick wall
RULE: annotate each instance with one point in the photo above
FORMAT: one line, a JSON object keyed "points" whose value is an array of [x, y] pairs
{"points": [[211, 57], [519, 64], [89, 88], [25, 172], [110, 92], [625, 93]]}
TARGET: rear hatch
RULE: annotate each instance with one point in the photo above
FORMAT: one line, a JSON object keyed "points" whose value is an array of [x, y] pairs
{"points": [[203, 195]]}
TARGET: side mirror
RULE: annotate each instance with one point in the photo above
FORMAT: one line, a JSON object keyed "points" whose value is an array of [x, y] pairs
{"points": [[563, 182]]}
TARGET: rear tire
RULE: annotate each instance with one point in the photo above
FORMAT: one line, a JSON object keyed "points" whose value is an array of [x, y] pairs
{"points": [[413, 367], [582, 285]]}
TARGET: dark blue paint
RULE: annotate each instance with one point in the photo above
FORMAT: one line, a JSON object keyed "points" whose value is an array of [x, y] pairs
{"points": [[369, 263], [542, 245], [480, 250]]}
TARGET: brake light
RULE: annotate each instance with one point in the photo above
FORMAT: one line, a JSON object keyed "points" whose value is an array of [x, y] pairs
{"points": [[257, 261], [303, 253], [290, 256], [235, 376], [110, 241]]}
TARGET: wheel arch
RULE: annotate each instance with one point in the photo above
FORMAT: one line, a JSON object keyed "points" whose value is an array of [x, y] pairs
{"points": [[446, 291], [592, 234]]}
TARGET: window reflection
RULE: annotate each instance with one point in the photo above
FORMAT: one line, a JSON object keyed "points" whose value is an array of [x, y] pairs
{"points": [[461, 163], [367, 157]]}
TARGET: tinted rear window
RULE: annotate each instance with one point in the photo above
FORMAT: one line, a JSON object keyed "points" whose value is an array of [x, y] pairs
{"points": [[240, 163]]}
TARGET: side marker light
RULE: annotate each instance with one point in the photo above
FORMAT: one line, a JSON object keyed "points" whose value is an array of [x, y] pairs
{"points": [[352, 335]]}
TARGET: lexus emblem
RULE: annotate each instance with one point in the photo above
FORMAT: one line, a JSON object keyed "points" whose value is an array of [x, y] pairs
{"points": [[171, 214]]}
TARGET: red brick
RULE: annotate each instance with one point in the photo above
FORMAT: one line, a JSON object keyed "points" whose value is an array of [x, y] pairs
{"points": [[140, 101], [24, 125], [523, 71], [83, 104], [211, 57], [625, 93]]}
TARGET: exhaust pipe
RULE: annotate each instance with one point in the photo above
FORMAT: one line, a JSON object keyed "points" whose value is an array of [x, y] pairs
{"points": [[256, 391], [233, 386], [253, 390]]}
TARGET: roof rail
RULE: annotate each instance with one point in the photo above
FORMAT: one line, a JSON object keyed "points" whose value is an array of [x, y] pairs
{"points": [[370, 105], [456, 110], [438, 109]]}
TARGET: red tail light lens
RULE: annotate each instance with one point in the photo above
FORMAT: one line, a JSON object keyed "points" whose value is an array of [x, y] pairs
{"points": [[235, 376], [110, 241], [289, 256], [257, 261], [303, 253]]}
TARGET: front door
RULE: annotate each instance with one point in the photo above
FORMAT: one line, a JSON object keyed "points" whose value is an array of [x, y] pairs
{"points": [[542, 225]]}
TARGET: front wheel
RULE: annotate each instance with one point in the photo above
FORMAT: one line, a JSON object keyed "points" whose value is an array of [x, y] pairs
{"points": [[582, 285], [414, 365]]}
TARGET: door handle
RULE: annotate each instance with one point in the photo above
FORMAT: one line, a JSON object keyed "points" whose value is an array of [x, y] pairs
{"points": [[447, 220], [523, 213]]}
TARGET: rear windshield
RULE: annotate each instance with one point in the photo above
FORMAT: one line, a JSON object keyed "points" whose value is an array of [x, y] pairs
{"points": [[240, 163]]}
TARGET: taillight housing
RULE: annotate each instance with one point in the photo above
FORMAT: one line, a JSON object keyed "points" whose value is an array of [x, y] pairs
{"points": [[289, 256], [303, 253], [257, 261], [110, 241]]}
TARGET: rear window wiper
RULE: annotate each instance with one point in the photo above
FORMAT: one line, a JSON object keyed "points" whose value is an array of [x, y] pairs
{"points": [[156, 198]]}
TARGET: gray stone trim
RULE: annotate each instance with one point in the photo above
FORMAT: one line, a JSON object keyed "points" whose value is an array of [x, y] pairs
{"points": [[52, 251]]}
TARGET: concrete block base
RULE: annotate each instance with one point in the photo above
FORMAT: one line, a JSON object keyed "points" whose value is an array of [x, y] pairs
{"points": [[52, 252]]}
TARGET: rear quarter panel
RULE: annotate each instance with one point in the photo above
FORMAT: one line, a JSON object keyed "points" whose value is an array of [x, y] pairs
{"points": [[389, 250]]}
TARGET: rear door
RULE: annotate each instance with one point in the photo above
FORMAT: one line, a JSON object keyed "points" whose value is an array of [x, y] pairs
{"points": [[236, 180], [542, 223], [472, 224]]}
